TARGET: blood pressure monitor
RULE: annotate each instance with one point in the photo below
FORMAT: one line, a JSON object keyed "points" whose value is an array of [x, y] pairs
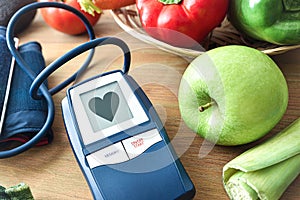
{"points": [[120, 142]]}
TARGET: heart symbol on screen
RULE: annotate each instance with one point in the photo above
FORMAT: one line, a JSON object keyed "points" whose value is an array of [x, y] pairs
{"points": [[106, 107]]}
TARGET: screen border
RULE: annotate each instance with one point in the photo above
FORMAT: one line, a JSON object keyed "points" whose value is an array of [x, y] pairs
{"points": [[86, 131]]}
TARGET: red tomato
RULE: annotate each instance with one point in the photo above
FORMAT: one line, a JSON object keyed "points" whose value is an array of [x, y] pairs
{"points": [[65, 21]]}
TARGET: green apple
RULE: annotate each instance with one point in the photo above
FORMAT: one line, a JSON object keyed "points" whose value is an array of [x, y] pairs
{"points": [[232, 95]]}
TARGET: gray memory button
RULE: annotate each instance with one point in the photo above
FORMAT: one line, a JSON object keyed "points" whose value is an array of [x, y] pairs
{"points": [[112, 154]]}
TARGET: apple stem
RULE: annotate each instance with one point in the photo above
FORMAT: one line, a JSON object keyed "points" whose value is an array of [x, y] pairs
{"points": [[204, 107]]}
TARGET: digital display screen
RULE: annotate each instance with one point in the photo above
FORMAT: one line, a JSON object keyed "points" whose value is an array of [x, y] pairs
{"points": [[106, 106]]}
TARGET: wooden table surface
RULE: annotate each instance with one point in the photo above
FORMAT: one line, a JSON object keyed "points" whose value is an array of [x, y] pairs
{"points": [[52, 171]]}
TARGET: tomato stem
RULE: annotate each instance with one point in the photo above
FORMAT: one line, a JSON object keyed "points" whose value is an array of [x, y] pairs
{"points": [[89, 7], [168, 2]]}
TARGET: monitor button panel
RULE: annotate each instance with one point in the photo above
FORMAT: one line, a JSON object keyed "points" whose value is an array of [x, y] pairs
{"points": [[124, 150]]}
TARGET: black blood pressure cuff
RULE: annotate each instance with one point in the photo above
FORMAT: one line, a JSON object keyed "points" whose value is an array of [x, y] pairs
{"points": [[24, 116]]}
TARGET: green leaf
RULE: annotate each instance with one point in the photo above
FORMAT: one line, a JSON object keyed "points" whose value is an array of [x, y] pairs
{"points": [[3, 195], [168, 2], [291, 5], [18, 192]]}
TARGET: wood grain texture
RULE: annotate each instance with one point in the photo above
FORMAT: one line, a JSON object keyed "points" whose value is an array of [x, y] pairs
{"points": [[52, 171]]}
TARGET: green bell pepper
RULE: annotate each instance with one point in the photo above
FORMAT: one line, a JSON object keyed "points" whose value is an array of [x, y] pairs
{"points": [[274, 21]]}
